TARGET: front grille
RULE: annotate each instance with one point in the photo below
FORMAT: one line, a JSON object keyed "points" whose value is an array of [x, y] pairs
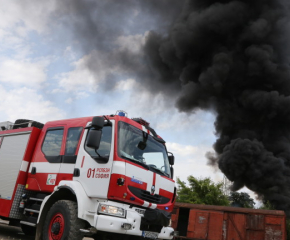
{"points": [[146, 196]]}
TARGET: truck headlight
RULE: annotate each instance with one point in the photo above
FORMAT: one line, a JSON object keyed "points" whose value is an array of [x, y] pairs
{"points": [[111, 210]]}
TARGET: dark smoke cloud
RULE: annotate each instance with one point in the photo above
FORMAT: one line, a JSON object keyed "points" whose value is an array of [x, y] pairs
{"points": [[96, 25], [233, 57]]}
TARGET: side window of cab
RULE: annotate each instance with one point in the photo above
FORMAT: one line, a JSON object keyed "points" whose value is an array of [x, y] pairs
{"points": [[52, 143], [72, 142]]}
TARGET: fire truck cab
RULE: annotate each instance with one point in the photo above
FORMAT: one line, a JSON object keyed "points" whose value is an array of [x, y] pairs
{"points": [[99, 176]]}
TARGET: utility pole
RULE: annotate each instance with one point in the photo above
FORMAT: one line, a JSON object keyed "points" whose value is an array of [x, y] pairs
{"points": [[226, 186]]}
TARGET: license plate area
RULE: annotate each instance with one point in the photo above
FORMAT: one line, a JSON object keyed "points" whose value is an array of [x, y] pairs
{"points": [[150, 235]]}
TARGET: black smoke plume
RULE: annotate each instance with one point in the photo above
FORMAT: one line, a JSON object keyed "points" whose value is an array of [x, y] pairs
{"points": [[232, 57], [95, 25]]}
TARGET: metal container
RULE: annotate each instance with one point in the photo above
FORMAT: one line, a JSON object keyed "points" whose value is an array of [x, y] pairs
{"points": [[207, 222]]}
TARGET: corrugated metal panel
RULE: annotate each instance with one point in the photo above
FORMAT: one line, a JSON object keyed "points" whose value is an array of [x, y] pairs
{"points": [[227, 223], [255, 221], [11, 154], [255, 235], [201, 225], [174, 217], [215, 228], [236, 226], [273, 232], [191, 223], [274, 220]]}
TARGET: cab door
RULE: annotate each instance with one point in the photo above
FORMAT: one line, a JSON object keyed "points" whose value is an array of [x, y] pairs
{"points": [[69, 157], [46, 162], [95, 166]]}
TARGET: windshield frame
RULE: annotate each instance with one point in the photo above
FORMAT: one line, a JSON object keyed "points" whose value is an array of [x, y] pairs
{"points": [[166, 172]]}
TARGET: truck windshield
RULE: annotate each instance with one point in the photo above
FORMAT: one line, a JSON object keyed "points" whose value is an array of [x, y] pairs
{"points": [[153, 157]]}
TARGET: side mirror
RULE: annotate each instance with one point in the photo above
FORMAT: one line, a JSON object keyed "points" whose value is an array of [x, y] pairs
{"points": [[94, 139], [98, 122], [171, 158], [172, 172], [142, 145]]}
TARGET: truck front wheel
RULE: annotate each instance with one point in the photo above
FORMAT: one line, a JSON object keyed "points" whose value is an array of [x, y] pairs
{"points": [[62, 222]]}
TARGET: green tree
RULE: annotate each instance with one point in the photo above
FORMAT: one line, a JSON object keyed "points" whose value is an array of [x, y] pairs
{"points": [[266, 206], [201, 191], [241, 199]]}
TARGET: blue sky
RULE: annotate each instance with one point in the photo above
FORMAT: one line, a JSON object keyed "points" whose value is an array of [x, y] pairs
{"points": [[44, 75]]}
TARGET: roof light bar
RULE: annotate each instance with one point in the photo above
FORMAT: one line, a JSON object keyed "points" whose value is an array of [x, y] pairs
{"points": [[121, 113]]}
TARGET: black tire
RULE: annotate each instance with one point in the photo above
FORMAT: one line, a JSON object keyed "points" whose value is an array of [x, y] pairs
{"points": [[22, 123], [62, 222], [28, 230]]}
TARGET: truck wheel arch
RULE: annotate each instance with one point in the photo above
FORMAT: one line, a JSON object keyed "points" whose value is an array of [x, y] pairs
{"points": [[63, 192]]}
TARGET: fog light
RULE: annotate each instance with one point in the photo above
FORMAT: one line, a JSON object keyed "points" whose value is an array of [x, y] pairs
{"points": [[127, 226]]}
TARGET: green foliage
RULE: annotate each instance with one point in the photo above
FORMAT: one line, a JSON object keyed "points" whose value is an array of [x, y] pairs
{"points": [[288, 228], [241, 199], [201, 191], [267, 206]]}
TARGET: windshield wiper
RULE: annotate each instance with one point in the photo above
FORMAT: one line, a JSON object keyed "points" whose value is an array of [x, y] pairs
{"points": [[136, 161], [159, 171]]}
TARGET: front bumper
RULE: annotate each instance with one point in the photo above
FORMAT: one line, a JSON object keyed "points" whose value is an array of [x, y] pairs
{"points": [[133, 217]]}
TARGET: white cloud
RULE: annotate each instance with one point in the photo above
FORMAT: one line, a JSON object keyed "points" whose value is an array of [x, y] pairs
{"points": [[80, 79], [69, 100], [23, 72], [21, 17], [81, 95], [183, 150], [26, 103], [29, 15], [125, 85], [191, 160], [69, 54], [95, 68]]}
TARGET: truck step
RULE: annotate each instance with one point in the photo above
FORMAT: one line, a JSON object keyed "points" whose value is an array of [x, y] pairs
{"points": [[30, 219], [41, 195], [28, 223], [36, 199], [31, 210], [35, 206]]}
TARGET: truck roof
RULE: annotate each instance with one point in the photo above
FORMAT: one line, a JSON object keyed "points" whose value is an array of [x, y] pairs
{"points": [[83, 121]]}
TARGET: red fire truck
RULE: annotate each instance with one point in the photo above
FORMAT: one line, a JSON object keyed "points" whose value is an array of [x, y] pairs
{"points": [[101, 176]]}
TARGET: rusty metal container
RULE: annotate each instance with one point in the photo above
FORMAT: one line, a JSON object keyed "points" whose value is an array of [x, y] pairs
{"points": [[207, 222]]}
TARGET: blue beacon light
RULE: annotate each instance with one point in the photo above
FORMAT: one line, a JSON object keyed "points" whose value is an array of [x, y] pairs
{"points": [[121, 113]]}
